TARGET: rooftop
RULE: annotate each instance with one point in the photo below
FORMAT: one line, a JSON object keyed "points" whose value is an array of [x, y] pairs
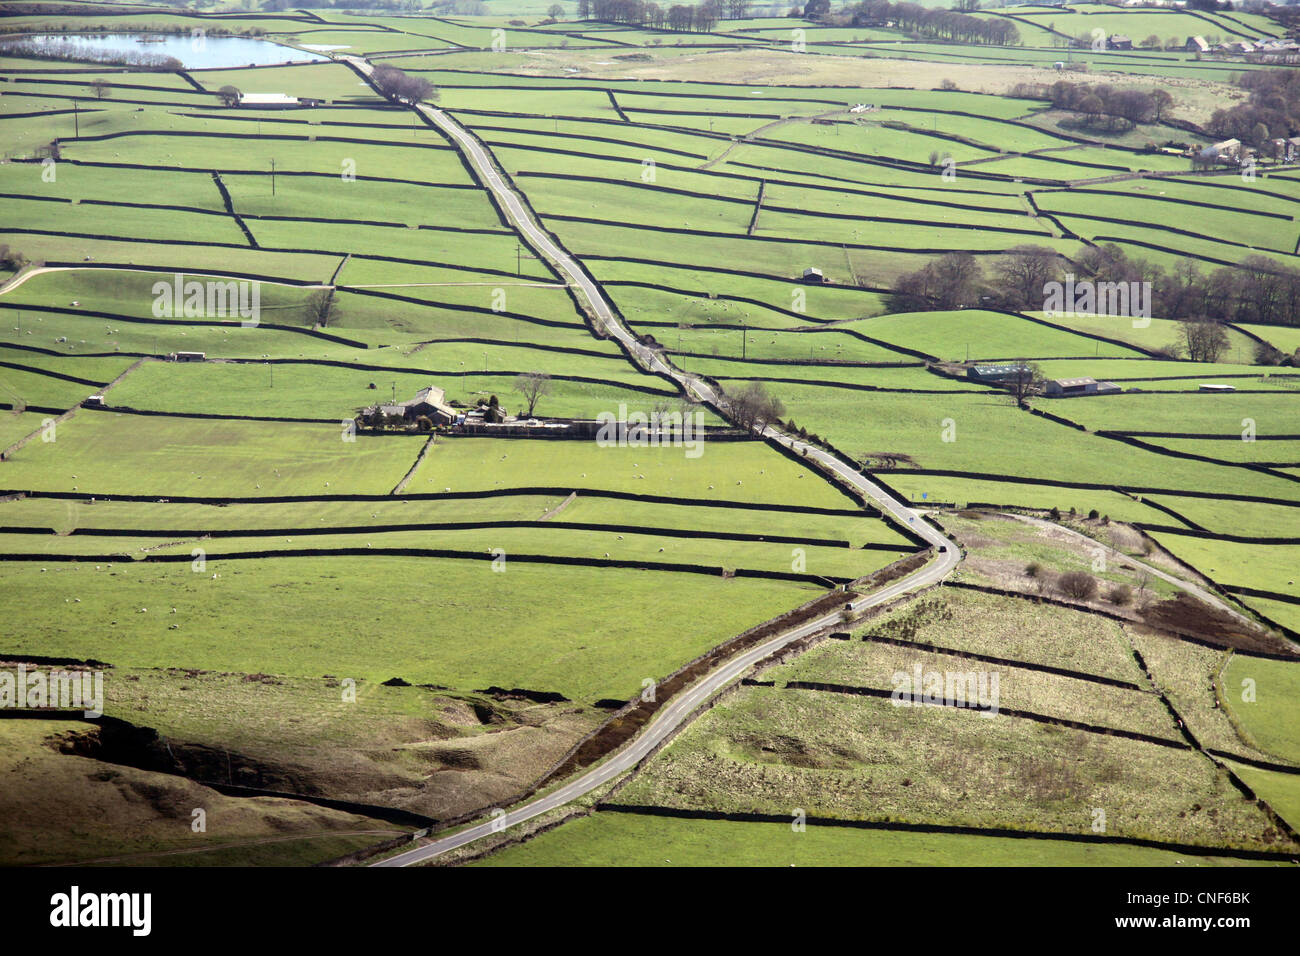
{"points": [[268, 99]]}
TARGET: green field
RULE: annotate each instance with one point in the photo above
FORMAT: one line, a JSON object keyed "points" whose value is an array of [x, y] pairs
{"points": [[624, 839], [695, 177]]}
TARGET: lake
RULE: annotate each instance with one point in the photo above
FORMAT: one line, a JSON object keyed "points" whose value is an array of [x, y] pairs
{"points": [[196, 53]]}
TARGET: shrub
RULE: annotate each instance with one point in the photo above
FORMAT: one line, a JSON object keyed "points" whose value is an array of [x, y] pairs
{"points": [[1055, 513], [1093, 515], [1078, 584], [1033, 569], [1121, 595]]}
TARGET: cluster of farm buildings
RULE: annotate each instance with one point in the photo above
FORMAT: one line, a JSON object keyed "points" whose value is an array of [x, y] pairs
{"points": [[1287, 47], [1056, 387], [1233, 152]]}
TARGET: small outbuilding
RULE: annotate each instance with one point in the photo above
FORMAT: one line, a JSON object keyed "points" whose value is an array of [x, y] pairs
{"points": [[188, 356], [1076, 387], [814, 276], [270, 101], [997, 373], [1212, 387]]}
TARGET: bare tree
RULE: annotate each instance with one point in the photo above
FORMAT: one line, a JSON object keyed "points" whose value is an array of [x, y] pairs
{"points": [[1144, 578], [1205, 338], [321, 308], [752, 407], [948, 282], [1023, 272], [1027, 380], [1161, 102], [532, 386], [101, 88], [401, 87]]}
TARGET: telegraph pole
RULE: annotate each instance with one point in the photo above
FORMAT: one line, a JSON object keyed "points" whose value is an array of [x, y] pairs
{"points": [[519, 258], [272, 177], [76, 119]]}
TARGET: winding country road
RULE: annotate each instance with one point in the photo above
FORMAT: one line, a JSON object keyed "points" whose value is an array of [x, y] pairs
{"points": [[680, 708]]}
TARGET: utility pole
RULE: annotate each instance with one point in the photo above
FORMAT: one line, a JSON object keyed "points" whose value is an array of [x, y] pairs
{"points": [[519, 258], [76, 119], [744, 341], [272, 177]]}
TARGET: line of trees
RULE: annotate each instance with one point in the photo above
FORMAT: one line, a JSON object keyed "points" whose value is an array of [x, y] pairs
{"points": [[1123, 107], [1258, 290], [401, 87], [930, 22], [64, 50], [678, 17], [1272, 109], [101, 30], [752, 407]]}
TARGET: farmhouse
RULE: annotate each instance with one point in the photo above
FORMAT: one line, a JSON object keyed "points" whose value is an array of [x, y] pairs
{"points": [[813, 275], [428, 403], [1118, 42], [1074, 387], [1229, 149], [996, 373], [1196, 45]]}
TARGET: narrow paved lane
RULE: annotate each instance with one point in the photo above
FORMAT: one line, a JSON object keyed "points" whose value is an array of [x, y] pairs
{"points": [[679, 709], [665, 722]]}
